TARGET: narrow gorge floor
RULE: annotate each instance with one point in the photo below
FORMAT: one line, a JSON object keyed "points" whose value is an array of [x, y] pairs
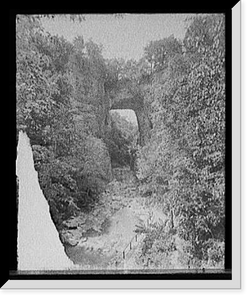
{"points": [[118, 245]]}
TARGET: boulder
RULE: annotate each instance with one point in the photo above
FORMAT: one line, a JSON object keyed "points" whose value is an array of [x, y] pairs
{"points": [[71, 237]]}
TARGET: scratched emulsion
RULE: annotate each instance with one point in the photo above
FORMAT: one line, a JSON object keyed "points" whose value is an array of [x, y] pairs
{"points": [[39, 247]]}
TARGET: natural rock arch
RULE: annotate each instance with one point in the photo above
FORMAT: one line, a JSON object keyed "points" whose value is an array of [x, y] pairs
{"points": [[137, 105], [125, 96]]}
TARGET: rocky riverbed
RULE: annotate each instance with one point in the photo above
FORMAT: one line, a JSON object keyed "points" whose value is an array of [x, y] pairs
{"points": [[106, 245]]}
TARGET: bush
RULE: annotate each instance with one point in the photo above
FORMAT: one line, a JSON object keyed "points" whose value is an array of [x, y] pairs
{"points": [[183, 163], [215, 253], [67, 188]]}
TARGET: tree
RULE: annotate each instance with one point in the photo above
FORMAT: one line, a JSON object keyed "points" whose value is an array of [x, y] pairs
{"points": [[183, 164], [159, 53], [206, 120], [34, 86], [51, 77]]}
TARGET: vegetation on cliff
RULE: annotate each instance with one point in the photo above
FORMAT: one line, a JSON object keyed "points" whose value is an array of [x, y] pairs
{"points": [[63, 100]]}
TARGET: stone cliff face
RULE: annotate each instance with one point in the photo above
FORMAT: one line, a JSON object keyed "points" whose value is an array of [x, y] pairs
{"points": [[104, 107], [90, 122], [94, 115], [144, 125], [96, 111]]}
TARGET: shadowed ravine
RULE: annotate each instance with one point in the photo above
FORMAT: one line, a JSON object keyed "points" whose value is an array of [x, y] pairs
{"points": [[113, 249]]}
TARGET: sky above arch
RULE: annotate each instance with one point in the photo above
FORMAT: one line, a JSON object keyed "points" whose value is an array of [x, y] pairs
{"points": [[121, 37]]}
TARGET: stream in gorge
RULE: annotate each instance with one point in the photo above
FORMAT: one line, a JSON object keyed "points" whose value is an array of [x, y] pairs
{"points": [[116, 246]]}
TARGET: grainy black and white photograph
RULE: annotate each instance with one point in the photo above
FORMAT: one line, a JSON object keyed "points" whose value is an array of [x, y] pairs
{"points": [[121, 128]]}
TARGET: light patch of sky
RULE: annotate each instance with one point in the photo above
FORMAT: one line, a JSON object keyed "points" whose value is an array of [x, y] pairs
{"points": [[128, 114], [123, 37]]}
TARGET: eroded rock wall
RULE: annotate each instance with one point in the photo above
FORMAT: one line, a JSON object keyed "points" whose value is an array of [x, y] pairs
{"points": [[137, 105]]}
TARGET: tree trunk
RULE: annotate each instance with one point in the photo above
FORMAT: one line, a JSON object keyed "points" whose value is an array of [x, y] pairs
{"points": [[172, 219]]}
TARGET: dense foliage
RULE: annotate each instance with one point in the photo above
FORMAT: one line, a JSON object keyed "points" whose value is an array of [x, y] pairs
{"points": [[183, 164], [120, 139], [63, 90], [56, 103]]}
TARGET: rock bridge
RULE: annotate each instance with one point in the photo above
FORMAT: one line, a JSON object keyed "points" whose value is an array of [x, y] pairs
{"points": [[127, 100], [126, 96]]}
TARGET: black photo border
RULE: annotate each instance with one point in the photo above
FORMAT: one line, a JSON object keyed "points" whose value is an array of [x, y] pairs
{"points": [[10, 272]]}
